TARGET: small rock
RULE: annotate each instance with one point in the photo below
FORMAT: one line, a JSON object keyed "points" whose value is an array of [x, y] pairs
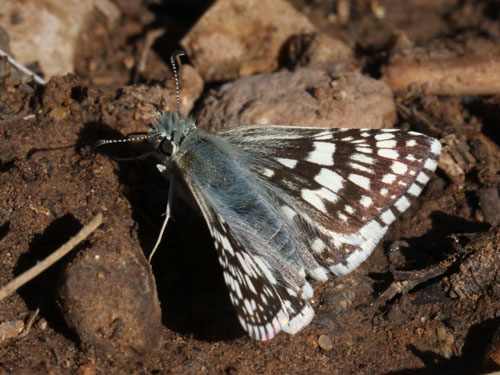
{"points": [[311, 339], [446, 340], [41, 324], [108, 296], [325, 343], [241, 37], [59, 113], [52, 18], [87, 369], [10, 329], [489, 201], [305, 97], [318, 51], [441, 332]]}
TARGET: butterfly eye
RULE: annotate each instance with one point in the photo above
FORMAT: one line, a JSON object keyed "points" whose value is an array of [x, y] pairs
{"points": [[166, 147]]}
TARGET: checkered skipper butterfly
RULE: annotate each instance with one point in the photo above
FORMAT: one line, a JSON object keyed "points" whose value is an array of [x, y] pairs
{"points": [[284, 203]]}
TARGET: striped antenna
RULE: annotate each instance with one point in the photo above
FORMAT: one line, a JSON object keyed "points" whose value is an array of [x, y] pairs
{"points": [[173, 61], [101, 142]]}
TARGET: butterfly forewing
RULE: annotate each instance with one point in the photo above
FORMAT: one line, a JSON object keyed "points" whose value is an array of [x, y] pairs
{"points": [[345, 185]]}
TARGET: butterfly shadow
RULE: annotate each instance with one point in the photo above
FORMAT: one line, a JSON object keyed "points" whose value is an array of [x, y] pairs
{"points": [[428, 249], [191, 289], [436, 244]]}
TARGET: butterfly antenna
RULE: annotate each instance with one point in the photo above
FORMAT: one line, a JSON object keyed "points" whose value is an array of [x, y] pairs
{"points": [[173, 61], [101, 142]]}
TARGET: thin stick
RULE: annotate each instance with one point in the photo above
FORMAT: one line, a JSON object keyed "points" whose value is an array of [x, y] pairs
{"points": [[34, 271], [151, 37], [22, 68], [31, 320]]}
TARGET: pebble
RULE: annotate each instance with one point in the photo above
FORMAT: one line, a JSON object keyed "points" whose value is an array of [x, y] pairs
{"points": [[325, 343]]}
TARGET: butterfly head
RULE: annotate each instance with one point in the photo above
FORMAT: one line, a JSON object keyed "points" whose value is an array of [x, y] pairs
{"points": [[169, 130]]}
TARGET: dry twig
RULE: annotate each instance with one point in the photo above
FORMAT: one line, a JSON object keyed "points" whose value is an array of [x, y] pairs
{"points": [[34, 271], [22, 68], [151, 37]]}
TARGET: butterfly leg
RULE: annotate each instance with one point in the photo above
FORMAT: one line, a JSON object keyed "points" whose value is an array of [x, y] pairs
{"points": [[167, 216]]}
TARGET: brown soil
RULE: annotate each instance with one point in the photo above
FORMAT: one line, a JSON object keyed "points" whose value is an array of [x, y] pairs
{"points": [[426, 301]]}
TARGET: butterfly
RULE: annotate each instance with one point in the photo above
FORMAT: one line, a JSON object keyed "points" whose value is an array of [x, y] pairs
{"points": [[287, 203], [283, 203]]}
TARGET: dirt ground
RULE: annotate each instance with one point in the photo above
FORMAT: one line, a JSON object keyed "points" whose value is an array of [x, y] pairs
{"points": [[425, 302]]}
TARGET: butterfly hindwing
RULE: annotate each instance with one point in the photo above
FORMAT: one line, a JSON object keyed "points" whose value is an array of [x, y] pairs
{"points": [[264, 302]]}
